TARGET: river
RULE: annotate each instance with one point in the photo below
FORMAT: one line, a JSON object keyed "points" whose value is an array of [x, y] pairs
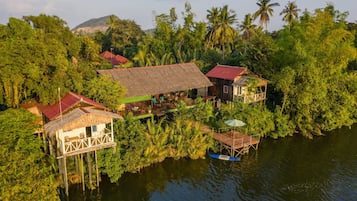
{"points": [[292, 168]]}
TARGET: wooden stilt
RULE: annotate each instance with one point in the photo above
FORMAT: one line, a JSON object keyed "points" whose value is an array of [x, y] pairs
{"points": [[60, 171], [83, 187], [65, 174], [96, 167], [89, 163], [50, 146], [77, 167], [44, 142]]}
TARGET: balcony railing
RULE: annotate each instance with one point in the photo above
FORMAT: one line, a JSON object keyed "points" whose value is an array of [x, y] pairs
{"points": [[251, 98], [76, 145]]}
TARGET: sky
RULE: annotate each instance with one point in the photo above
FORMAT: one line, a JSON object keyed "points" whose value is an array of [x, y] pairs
{"points": [[142, 12]]}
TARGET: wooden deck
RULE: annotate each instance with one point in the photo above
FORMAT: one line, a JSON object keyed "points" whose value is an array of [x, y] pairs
{"points": [[234, 142]]}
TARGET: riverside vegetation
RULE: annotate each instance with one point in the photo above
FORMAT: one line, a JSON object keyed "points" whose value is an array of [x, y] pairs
{"points": [[310, 62]]}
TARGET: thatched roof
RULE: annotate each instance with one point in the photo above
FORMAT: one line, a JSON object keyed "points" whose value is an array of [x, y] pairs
{"points": [[79, 118], [152, 80]]}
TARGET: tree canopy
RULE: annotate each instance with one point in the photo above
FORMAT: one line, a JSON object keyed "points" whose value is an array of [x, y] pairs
{"points": [[26, 172]]}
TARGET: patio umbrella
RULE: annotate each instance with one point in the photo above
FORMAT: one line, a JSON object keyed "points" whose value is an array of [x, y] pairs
{"points": [[234, 123]]}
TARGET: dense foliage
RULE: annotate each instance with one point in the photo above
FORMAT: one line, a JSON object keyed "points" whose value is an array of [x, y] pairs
{"points": [[319, 92], [139, 146], [26, 172], [311, 64], [39, 55]]}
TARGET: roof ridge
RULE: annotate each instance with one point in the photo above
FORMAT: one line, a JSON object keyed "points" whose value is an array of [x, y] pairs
{"points": [[222, 65]]}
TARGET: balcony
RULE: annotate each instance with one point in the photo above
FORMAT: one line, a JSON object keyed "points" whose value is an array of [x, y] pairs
{"points": [[251, 98], [77, 145]]}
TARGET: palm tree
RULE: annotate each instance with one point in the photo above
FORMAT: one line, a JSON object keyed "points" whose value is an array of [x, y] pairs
{"points": [[264, 12], [213, 19], [247, 27], [290, 12], [221, 32]]}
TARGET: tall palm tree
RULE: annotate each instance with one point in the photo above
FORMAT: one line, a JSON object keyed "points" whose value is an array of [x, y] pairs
{"points": [[290, 12], [221, 32], [264, 12], [213, 19], [247, 27]]}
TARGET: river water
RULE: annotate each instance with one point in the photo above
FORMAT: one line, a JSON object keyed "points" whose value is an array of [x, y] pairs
{"points": [[292, 168]]}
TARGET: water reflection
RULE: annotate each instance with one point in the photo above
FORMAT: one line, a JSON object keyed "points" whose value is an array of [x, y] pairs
{"points": [[293, 168]]}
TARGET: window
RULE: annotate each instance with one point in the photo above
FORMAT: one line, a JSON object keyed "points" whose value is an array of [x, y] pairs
{"points": [[225, 89], [94, 128]]}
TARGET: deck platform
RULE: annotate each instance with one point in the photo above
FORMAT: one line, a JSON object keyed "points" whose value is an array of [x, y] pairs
{"points": [[236, 143]]}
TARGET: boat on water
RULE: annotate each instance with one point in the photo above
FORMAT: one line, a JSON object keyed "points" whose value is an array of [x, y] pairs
{"points": [[223, 157]]}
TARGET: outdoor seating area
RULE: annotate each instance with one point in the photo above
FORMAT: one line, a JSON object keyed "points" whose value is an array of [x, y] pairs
{"points": [[158, 104]]}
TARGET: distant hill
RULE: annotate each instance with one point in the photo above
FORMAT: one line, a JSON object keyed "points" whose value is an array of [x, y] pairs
{"points": [[97, 24], [93, 25]]}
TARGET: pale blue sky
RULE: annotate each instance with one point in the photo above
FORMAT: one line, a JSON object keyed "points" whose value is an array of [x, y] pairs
{"points": [[75, 12]]}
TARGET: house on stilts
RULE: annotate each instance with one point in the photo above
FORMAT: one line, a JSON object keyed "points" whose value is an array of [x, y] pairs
{"points": [[76, 128]]}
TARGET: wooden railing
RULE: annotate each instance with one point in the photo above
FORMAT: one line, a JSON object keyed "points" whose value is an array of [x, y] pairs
{"points": [[250, 98], [77, 145]]}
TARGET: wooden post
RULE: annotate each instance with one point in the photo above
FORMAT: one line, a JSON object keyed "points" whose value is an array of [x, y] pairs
{"points": [[50, 146], [96, 167], [65, 174], [83, 187], [76, 164], [60, 171], [89, 169]]}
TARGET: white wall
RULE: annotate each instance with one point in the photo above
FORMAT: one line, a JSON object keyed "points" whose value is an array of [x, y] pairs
{"points": [[76, 132]]}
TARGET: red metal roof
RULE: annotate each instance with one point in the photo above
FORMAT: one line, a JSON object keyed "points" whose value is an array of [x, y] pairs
{"points": [[114, 59], [67, 102], [226, 72]]}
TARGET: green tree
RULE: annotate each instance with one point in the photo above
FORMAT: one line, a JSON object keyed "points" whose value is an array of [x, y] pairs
{"points": [[157, 136], [247, 27], [123, 36], [264, 12], [220, 30], [317, 95], [105, 91], [290, 13], [26, 172], [129, 152]]}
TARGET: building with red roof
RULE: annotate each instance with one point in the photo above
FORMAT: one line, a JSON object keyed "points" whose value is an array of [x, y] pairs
{"points": [[69, 102], [233, 83], [115, 60]]}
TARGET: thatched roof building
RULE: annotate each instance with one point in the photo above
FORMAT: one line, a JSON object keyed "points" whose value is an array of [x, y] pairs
{"points": [[78, 118], [152, 80]]}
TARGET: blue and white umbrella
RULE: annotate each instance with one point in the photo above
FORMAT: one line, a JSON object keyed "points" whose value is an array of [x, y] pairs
{"points": [[234, 123]]}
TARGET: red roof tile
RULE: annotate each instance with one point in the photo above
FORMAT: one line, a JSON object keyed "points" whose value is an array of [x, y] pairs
{"points": [[114, 59], [69, 101], [226, 72]]}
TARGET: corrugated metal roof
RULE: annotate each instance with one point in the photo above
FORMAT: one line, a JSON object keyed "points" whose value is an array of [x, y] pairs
{"points": [[226, 72], [114, 59], [69, 101], [152, 80]]}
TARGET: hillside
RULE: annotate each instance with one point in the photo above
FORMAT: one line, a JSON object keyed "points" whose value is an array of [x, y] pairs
{"points": [[93, 25]]}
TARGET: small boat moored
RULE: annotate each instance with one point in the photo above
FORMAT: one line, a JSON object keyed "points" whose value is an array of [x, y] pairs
{"points": [[223, 157]]}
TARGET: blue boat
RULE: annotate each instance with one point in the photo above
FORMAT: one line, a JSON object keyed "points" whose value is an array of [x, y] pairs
{"points": [[224, 157]]}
